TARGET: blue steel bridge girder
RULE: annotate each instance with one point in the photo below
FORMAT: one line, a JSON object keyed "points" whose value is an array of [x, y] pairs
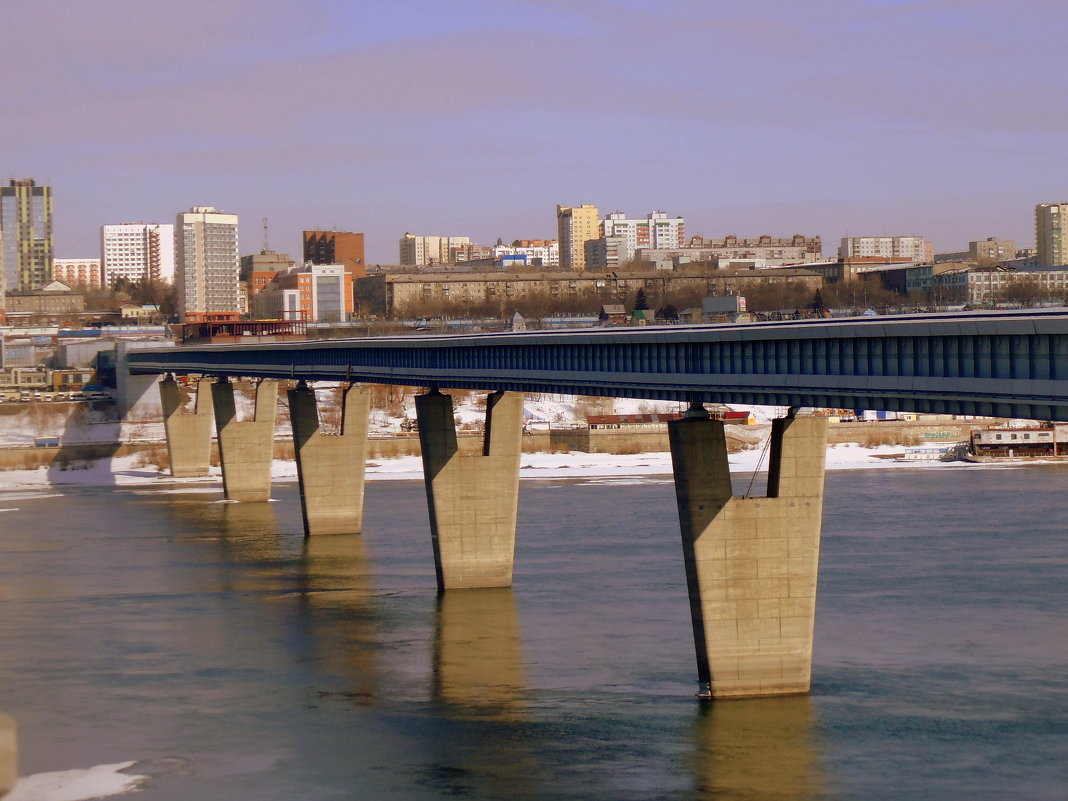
{"points": [[1010, 364]]}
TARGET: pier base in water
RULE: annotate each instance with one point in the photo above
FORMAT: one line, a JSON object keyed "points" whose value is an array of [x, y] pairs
{"points": [[751, 563]]}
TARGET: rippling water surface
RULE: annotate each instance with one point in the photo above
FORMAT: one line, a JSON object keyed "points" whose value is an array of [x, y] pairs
{"points": [[232, 659]]}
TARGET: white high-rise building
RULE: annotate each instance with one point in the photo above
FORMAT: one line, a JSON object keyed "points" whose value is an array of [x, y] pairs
{"points": [[206, 261], [656, 231], [137, 251]]}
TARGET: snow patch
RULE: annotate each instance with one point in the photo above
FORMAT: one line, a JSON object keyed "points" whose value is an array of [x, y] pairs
{"points": [[99, 781]]}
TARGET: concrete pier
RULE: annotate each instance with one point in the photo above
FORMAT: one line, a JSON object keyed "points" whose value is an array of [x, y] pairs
{"points": [[751, 563], [330, 468], [245, 446], [472, 499], [188, 435], [9, 767]]}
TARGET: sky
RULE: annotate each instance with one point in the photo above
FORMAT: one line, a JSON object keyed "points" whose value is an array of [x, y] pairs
{"points": [[943, 118]]}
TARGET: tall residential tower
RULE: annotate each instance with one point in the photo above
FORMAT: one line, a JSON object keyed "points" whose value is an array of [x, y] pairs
{"points": [[1051, 234], [26, 223], [206, 261], [576, 225]]}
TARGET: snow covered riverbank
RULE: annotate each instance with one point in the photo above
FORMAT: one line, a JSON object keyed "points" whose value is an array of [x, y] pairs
{"points": [[124, 471]]}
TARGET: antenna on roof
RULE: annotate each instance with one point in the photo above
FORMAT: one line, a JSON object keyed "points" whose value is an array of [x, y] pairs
{"points": [[265, 243]]}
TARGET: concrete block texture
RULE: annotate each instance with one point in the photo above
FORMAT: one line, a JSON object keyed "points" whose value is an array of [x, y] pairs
{"points": [[245, 446], [751, 563], [330, 467], [188, 435], [9, 766], [472, 500]]}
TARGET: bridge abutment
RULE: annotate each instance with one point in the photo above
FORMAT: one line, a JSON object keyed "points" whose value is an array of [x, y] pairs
{"points": [[472, 500], [751, 563], [330, 468], [246, 447], [188, 434]]}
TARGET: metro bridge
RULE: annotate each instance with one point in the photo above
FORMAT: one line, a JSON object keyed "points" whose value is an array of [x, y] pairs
{"points": [[1003, 364], [751, 563]]}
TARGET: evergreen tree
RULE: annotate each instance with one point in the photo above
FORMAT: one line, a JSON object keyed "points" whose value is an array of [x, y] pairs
{"points": [[640, 301]]}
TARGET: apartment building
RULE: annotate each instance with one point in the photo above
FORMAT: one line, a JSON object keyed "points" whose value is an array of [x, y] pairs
{"points": [[898, 248], [607, 251], [576, 225], [419, 251], [137, 251], [207, 264], [26, 243], [534, 252], [991, 251], [656, 230], [729, 251], [1051, 234], [396, 294], [80, 273]]}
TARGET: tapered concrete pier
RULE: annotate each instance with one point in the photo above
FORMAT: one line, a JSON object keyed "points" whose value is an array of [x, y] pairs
{"points": [[330, 468], [246, 447], [751, 563], [472, 499], [188, 434]]}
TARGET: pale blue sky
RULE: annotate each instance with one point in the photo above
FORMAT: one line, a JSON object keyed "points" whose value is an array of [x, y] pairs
{"points": [[946, 118]]}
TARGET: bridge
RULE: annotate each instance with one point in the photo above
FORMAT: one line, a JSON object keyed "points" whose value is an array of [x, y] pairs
{"points": [[1006, 364], [751, 563]]}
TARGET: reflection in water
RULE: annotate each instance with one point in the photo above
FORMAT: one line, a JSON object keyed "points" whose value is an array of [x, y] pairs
{"points": [[762, 748], [339, 612], [478, 679], [477, 653]]}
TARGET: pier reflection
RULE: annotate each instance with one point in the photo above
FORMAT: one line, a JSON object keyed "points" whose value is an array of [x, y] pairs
{"points": [[478, 682], [478, 654], [337, 599], [764, 748]]}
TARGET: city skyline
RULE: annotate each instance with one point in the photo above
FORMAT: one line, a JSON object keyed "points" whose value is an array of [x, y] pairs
{"points": [[477, 119]]}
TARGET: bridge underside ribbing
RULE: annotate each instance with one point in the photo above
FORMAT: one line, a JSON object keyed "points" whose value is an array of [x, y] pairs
{"points": [[995, 364]]}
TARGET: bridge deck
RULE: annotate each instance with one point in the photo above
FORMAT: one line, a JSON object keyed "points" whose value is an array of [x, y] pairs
{"points": [[1012, 364]]}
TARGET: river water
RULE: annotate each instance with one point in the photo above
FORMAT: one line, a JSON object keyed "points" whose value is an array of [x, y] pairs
{"points": [[231, 659]]}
